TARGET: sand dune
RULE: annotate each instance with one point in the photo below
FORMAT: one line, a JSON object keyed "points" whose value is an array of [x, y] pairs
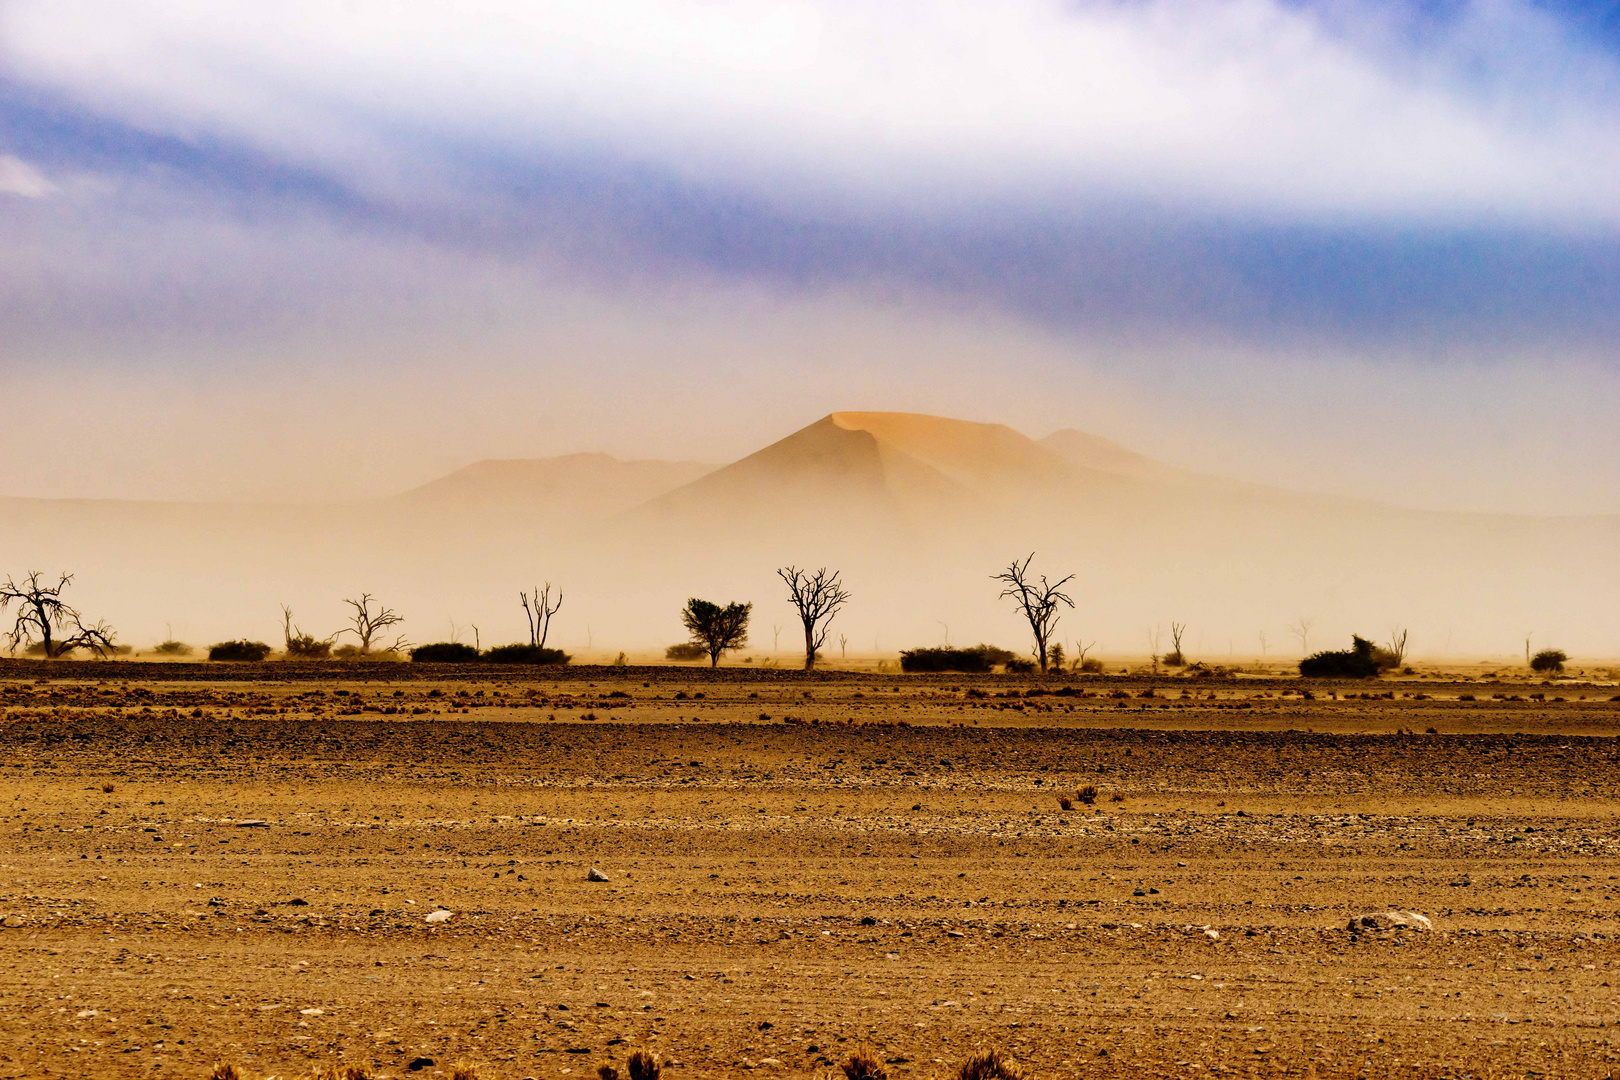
{"points": [[918, 511]]}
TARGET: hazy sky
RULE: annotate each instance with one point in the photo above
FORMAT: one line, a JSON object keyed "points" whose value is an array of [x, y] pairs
{"points": [[322, 249]]}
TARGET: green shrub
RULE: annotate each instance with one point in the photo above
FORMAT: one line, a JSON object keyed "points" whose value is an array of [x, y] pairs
{"points": [[976, 659], [687, 650], [444, 652], [526, 654], [1360, 661], [1549, 661], [307, 647], [243, 649], [172, 648]]}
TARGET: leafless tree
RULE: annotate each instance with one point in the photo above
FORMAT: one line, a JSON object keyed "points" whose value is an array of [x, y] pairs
{"points": [[1264, 644], [368, 624], [1153, 647], [776, 637], [299, 645], [1039, 602], [42, 614], [817, 597], [1176, 658], [538, 610], [843, 647], [1301, 629], [1397, 644], [1081, 648]]}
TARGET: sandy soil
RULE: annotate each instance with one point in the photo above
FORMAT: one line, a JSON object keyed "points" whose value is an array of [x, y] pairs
{"points": [[799, 866]]}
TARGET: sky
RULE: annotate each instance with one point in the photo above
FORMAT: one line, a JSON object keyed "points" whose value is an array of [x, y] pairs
{"points": [[319, 250]]}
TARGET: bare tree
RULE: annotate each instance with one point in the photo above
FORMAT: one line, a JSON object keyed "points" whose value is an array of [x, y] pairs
{"points": [[368, 624], [1301, 629], [1153, 647], [843, 647], [1039, 602], [716, 628], [299, 645], [817, 597], [776, 637], [1176, 658], [539, 611], [1264, 644], [1081, 648], [1397, 645], [42, 614]]}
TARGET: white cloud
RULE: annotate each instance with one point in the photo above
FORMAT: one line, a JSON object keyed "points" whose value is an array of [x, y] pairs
{"points": [[17, 177], [1245, 105]]}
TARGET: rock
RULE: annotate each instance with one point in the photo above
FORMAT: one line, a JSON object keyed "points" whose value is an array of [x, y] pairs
{"points": [[253, 823], [298, 901], [438, 916], [12, 921], [1390, 920], [419, 1063], [596, 875]]}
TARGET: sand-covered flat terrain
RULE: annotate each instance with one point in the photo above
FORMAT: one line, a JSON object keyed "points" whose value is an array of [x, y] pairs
{"points": [[798, 866]]}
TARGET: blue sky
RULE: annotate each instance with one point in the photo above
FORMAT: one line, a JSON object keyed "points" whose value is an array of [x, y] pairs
{"points": [[1385, 237]]}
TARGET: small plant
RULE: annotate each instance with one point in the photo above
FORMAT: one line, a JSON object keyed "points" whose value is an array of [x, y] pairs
{"points": [[686, 651], [1087, 794], [226, 1070], [526, 654], [1018, 666], [1065, 803], [643, 1066], [863, 1064], [1549, 661], [621, 660], [606, 1071], [1091, 666], [343, 1072], [109, 787], [1175, 657], [461, 1070], [444, 652], [988, 1066], [1116, 797], [241, 649]]}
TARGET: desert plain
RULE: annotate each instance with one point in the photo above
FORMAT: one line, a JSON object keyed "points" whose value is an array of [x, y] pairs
{"points": [[239, 862]]}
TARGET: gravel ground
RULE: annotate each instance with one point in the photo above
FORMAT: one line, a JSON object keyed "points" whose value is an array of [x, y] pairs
{"points": [[207, 861]]}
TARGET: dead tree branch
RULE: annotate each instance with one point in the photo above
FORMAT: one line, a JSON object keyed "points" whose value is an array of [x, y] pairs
{"points": [[1039, 602]]}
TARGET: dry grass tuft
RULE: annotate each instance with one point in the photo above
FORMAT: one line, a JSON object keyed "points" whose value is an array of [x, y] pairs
{"points": [[863, 1064], [607, 1072], [1087, 794], [1116, 797], [643, 1066], [344, 1072], [462, 1070], [225, 1070], [109, 787], [1065, 802], [988, 1066]]}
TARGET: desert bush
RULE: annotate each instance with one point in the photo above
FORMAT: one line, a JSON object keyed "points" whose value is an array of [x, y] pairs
{"points": [[241, 649], [225, 1070], [1018, 666], [863, 1064], [1065, 803], [977, 659], [1356, 662], [343, 1072], [643, 1066], [606, 1071], [307, 647], [988, 1066], [1549, 661], [1090, 666], [687, 650], [444, 652], [526, 654], [172, 648], [1087, 794]]}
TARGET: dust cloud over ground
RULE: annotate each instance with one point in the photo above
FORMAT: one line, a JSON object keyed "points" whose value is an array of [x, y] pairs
{"points": [[210, 861]]}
